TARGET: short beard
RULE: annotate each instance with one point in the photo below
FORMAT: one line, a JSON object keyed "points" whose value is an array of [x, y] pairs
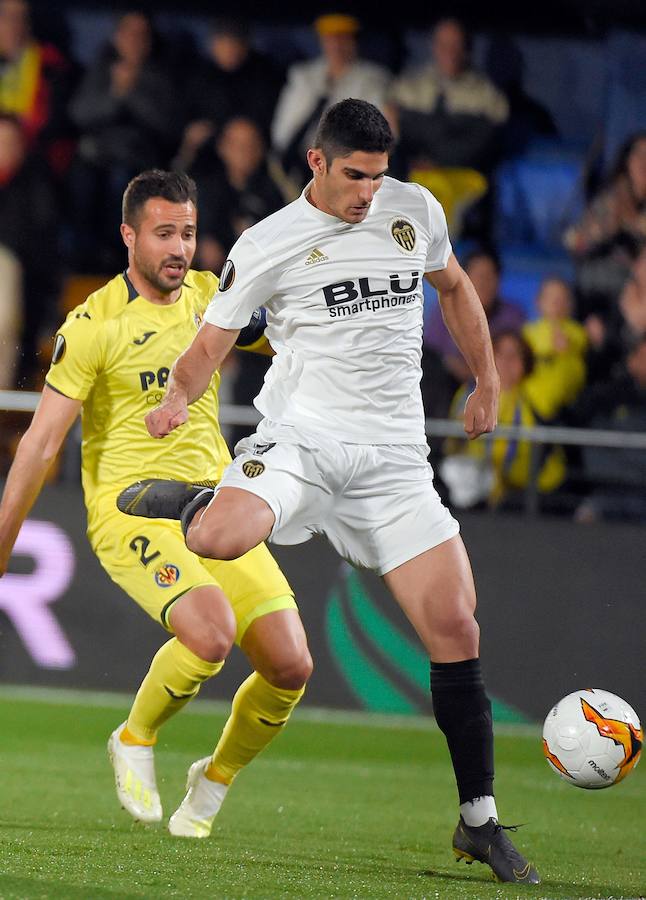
{"points": [[155, 278]]}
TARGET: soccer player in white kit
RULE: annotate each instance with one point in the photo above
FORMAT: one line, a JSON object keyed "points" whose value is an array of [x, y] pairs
{"points": [[341, 450]]}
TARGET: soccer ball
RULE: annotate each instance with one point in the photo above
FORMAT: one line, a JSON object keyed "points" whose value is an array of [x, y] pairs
{"points": [[592, 738]]}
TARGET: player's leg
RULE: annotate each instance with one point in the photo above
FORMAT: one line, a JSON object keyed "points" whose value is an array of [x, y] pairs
{"points": [[276, 647], [234, 522], [185, 598], [218, 526], [271, 634], [204, 627], [409, 538], [270, 488], [436, 592]]}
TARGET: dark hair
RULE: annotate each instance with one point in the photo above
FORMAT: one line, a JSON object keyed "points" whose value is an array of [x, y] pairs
{"points": [[231, 26], [621, 162], [153, 34], [176, 187], [484, 253], [135, 11], [526, 351], [352, 125], [12, 119]]}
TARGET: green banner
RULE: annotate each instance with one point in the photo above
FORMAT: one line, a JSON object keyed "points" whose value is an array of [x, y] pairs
{"points": [[385, 669]]}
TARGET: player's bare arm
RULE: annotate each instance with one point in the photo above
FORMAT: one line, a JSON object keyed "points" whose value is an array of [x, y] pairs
{"points": [[190, 377], [467, 324], [36, 451]]}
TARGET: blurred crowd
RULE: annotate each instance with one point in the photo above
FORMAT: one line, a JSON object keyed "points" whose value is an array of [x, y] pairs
{"points": [[239, 122], [580, 363]]}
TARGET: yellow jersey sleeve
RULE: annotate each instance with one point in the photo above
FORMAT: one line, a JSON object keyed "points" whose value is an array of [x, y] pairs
{"points": [[206, 285], [78, 355]]}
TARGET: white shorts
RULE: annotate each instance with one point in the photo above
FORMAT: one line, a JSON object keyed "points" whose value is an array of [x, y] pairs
{"points": [[375, 503]]}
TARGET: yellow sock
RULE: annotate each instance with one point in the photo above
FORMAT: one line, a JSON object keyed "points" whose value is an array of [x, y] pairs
{"points": [[127, 737], [258, 712], [174, 678]]}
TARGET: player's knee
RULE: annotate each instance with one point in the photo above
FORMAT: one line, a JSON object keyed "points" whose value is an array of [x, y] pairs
{"points": [[466, 632], [215, 542], [469, 632], [458, 623], [293, 673], [210, 637], [204, 621], [212, 642]]}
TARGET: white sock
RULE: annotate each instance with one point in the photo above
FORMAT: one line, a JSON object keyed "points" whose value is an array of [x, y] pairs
{"points": [[479, 810]]}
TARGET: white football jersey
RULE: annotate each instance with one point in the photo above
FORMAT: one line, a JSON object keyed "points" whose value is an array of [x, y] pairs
{"points": [[344, 312]]}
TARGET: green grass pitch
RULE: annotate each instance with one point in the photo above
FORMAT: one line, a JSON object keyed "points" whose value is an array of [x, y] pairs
{"points": [[339, 807]]}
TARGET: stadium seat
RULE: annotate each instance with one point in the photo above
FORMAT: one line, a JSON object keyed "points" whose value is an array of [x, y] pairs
{"points": [[537, 197], [625, 108], [523, 272]]}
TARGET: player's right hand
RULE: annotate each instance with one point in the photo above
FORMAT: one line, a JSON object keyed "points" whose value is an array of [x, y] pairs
{"points": [[481, 409], [165, 418]]}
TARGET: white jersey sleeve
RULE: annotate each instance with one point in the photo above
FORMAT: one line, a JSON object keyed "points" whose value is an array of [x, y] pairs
{"points": [[246, 282], [439, 246]]}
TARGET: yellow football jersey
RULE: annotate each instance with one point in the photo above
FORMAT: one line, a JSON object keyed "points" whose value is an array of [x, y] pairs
{"points": [[114, 352]]}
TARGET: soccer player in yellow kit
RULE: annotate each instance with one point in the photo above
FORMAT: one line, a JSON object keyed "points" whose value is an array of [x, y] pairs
{"points": [[111, 360]]}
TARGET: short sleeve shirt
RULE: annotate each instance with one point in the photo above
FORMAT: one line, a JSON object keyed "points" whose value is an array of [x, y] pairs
{"points": [[344, 311], [114, 353]]}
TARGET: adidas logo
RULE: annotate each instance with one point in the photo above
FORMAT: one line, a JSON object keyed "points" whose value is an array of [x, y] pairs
{"points": [[316, 256]]}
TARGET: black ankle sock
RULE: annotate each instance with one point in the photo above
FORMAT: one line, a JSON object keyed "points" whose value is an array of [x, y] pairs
{"points": [[463, 712]]}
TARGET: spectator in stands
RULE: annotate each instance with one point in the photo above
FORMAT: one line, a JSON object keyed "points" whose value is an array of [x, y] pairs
{"points": [[528, 119], [555, 334], [484, 269], [497, 471], [236, 190], [632, 302], [235, 80], [35, 85], [612, 231], [127, 112], [605, 348], [610, 335], [235, 186], [448, 113], [314, 86], [618, 404], [28, 229]]}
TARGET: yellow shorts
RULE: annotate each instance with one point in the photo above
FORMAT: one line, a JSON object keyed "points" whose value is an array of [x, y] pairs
{"points": [[149, 560]]}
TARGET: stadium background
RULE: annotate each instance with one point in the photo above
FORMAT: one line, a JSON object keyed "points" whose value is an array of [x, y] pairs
{"points": [[346, 804], [561, 607]]}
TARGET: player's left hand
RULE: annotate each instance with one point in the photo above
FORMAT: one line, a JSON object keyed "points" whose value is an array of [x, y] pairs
{"points": [[481, 410]]}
